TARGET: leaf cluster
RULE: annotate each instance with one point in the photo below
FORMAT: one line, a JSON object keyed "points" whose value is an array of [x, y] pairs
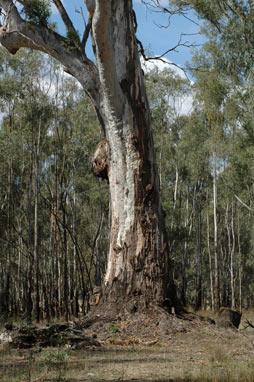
{"points": [[72, 40], [37, 11], [233, 24]]}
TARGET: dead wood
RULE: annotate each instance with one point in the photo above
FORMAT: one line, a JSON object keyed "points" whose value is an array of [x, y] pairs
{"points": [[52, 335]]}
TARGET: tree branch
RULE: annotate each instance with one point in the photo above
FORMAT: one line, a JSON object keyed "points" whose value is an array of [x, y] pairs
{"points": [[244, 204], [16, 34], [160, 57], [90, 5], [65, 17], [86, 34], [185, 44]]}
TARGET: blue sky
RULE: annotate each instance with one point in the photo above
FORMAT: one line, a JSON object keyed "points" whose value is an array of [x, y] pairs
{"points": [[156, 39], [160, 39]]}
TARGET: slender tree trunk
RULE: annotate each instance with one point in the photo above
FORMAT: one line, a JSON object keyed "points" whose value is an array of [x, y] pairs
{"points": [[29, 273], [9, 240], [66, 269], [198, 302], [216, 262], [75, 306], [176, 185], [46, 289], [232, 255], [36, 247], [57, 284], [231, 250], [209, 254], [20, 278], [10, 215], [184, 254], [240, 261], [160, 170]]}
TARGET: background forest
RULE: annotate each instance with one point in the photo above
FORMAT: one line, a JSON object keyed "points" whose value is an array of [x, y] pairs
{"points": [[54, 214]]}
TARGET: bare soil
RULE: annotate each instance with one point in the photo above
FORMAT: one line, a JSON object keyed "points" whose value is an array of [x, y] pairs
{"points": [[142, 348]]}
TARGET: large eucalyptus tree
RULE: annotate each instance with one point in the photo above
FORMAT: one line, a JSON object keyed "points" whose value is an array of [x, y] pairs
{"points": [[138, 269]]}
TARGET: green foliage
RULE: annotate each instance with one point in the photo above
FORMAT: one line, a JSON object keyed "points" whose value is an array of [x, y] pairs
{"points": [[113, 328], [73, 205], [231, 24], [50, 144], [72, 40], [30, 366], [55, 359], [54, 356], [37, 11]]}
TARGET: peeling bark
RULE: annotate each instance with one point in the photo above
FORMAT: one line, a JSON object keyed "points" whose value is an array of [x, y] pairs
{"points": [[138, 270]]}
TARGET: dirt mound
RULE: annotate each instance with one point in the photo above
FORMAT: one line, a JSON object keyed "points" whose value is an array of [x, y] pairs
{"points": [[145, 328]]}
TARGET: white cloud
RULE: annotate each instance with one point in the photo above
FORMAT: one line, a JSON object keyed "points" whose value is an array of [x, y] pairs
{"points": [[185, 104], [162, 64]]}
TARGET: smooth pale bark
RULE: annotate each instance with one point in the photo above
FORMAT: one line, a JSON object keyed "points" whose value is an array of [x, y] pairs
{"points": [[176, 186], [198, 222], [231, 250], [240, 260], [216, 262], [36, 304], [232, 259], [9, 227], [57, 281], [209, 253], [184, 253], [138, 270]]}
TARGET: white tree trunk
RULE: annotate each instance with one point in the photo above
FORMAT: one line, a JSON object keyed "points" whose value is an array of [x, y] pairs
{"points": [[138, 258], [216, 263]]}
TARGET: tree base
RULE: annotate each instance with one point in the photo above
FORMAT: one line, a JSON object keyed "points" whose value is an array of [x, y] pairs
{"points": [[104, 304], [151, 325]]}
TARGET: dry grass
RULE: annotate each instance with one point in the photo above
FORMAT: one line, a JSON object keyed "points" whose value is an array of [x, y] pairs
{"points": [[203, 354]]}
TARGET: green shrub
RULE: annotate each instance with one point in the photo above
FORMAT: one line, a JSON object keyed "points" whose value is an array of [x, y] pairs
{"points": [[37, 11]]}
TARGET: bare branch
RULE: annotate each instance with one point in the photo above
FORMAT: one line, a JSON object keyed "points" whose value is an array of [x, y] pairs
{"points": [[185, 44], [244, 204], [172, 64], [183, 10], [86, 34], [90, 5], [249, 325], [160, 58], [82, 15], [64, 15], [174, 48]]}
